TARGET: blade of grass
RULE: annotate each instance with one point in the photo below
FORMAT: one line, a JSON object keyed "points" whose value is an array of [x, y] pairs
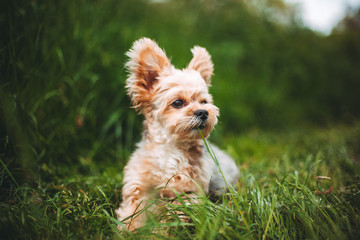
{"points": [[222, 174], [7, 170]]}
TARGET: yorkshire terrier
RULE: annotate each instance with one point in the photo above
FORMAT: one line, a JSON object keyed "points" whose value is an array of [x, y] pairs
{"points": [[171, 159]]}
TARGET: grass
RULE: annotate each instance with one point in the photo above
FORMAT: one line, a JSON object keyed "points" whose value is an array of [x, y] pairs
{"points": [[66, 129], [280, 195]]}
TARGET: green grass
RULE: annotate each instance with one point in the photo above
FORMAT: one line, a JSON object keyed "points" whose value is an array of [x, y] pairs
{"points": [[280, 195], [66, 128]]}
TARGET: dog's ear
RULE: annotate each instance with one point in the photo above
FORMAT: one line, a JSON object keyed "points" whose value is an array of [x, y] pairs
{"points": [[202, 63], [147, 61]]}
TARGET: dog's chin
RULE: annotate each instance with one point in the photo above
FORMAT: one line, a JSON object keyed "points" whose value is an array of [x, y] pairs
{"points": [[182, 131], [204, 128], [201, 126]]}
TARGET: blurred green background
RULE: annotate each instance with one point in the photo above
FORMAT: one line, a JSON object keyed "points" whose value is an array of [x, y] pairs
{"points": [[62, 98], [67, 127]]}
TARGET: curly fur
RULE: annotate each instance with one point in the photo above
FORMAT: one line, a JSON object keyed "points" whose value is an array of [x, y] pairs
{"points": [[170, 159]]}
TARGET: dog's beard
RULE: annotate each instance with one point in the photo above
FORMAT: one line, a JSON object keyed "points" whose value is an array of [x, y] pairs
{"points": [[189, 127], [193, 124]]}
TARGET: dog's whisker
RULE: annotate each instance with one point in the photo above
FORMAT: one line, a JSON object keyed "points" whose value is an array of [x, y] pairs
{"points": [[194, 122], [186, 125]]}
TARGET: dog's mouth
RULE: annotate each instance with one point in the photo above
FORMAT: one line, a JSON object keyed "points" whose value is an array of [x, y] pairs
{"points": [[196, 123], [200, 126]]}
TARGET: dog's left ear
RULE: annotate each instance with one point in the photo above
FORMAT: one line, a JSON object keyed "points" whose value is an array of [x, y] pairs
{"points": [[202, 63], [146, 62]]}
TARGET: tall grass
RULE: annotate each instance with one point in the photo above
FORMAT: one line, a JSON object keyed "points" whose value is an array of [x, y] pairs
{"points": [[66, 128], [280, 196]]}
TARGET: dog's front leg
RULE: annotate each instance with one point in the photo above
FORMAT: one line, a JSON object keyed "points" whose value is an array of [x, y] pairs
{"points": [[178, 198], [131, 210]]}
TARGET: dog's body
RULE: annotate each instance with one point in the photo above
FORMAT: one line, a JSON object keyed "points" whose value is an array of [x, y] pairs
{"points": [[171, 158]]}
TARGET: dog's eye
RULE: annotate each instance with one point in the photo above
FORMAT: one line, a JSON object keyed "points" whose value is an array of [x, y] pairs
{"points": [[204, 102], [178, 103]]}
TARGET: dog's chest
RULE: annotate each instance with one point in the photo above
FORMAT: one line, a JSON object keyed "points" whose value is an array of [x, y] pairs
{"points": [[173, 161]]}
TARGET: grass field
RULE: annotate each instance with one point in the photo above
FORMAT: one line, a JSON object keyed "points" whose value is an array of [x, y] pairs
{"points": [[67, 129], [302, 184]]}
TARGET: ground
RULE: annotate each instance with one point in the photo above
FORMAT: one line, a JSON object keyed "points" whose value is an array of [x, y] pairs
{"points": [[294, 185]]}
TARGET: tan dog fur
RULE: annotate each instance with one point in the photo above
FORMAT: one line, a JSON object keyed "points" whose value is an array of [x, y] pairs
{"points": [[171, 158]]}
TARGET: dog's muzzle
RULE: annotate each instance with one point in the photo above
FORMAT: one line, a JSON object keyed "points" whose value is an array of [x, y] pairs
{"points": [[202, 115]]}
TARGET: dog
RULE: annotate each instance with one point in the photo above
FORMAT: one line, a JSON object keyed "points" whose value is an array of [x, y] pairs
{"points": [[171, 158]]}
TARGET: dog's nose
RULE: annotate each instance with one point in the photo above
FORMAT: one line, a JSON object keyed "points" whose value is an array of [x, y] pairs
{"points": [[202, 114]]}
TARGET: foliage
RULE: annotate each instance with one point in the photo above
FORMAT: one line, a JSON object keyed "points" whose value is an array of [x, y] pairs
{"points": [[66, 126], [294, 185]]}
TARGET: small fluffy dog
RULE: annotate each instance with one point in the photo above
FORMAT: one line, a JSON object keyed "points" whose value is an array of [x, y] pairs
{"points": [[171, 158]]}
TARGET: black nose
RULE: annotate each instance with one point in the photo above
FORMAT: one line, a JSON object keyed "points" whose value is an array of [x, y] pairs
{"points": [[202, 114]]}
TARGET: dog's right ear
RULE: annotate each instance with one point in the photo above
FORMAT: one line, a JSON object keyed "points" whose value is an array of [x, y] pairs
{"points": [[202, 63], [147, 61]]}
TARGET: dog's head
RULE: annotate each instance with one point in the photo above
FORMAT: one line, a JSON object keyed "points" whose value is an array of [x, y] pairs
{"points": [[177, 99]]}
